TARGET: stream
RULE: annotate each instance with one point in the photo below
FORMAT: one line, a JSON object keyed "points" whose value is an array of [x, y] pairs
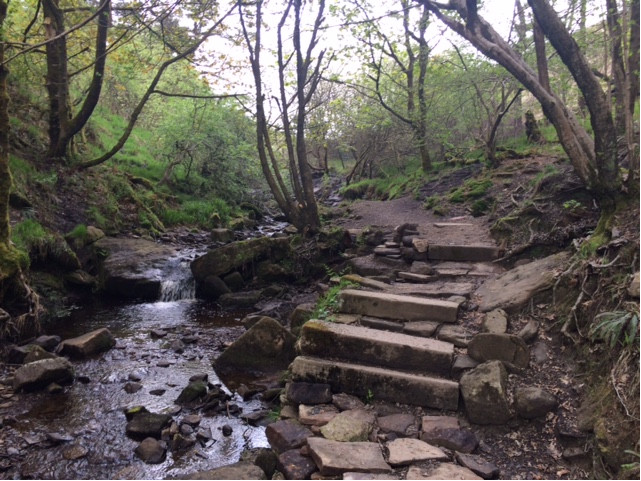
{"points": [[88, 416]]}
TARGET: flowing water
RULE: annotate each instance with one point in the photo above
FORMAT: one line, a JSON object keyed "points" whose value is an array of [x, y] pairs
{"points": [[90, 412]]}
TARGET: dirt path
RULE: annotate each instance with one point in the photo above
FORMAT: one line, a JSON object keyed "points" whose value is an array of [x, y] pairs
{"points": [[386, 215]]}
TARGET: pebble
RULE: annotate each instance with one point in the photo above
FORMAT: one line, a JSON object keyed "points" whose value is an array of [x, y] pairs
{"points": [[227, 430]]}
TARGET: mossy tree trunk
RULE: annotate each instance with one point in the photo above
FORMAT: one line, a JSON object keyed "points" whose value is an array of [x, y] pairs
{"points": [[19, 306]]}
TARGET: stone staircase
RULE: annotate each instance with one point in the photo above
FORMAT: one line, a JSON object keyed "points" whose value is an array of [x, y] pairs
{"points": [[381, 343]]}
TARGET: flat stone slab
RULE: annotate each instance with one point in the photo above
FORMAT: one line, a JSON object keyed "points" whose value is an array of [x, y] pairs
{"points": [[420, 328], [384, 384], [455, 334], [514, 288], [442, 471], [367, 476], [382, 324], [350, 426], [365, 282], [403, 424], [441, 225], [394, 306], [405, 451], [240, 470], [418, 278], [374, 347], [286, 434], [436, 288], [317, 415], [334, 458], [463, 252]]}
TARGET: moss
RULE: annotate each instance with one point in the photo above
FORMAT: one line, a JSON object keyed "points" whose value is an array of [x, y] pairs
{"points": [[12, 261]]}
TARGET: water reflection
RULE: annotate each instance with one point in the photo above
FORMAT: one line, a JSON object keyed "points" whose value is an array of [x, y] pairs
{"points": [[92, 412]]}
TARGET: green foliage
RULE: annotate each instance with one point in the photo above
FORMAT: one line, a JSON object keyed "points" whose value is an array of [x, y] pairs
{"points": [[471, 189], [618, 328], [203, 213], [29, 235], [369, 397], [328, 305], [549, 171]]}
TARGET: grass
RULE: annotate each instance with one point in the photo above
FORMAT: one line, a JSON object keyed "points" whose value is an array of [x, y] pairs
{"points": [[328, 305], [204, 213]]}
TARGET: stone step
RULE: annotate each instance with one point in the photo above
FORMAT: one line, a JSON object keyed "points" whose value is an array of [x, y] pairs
{"points": [[374, 347], [383, 384], [462, 252], [432, 289], [394, 306]]}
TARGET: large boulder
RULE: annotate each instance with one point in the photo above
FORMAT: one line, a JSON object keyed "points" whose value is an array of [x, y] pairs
{"points": [[223, 260], [145, 424], [266, 347], [484, 391], [132, 268], [93, 342], [39, 374]]}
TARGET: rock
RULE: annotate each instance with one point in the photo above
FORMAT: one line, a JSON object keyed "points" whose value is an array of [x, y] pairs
{"points": [[94, 234], [234, 281], [54, 388], [495, 321], [132, 387], [264, 458], [186, 430], [240, 471], [177, 346], [193, 392], [455, 334], [309, 393], [462, 363], [405, 451], [157, 333], [376, 266], [540, 352], [212, 287], [241, 299], [442, 471], [334, 458], [130, 270], [192, 419], [420, 245], [266, 347], [233, 256], [529, 331], [435, 423], [39, 374], [56, 438], [345, 402], [131, 412], [403, 424], [221, 235], [300, 315], [502, 347], [514, 288], [135, 376], [182, 442], [227, 430], [478, 466], [363, 476], [456, 439], [267, 271], [93, 342], [48, 343], [351, 426], [157, 392], [252, 319], [151, 451], [81, 278], [420, 328], [75, 451], [633, 288], [146, 424], [202, 377], [287, 434], [294, 465], [316, 415], [37, 353], [484, 391], [534, 402]]}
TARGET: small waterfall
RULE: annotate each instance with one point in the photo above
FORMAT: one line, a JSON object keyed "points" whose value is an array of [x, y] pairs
{"points": [[177, 282]]}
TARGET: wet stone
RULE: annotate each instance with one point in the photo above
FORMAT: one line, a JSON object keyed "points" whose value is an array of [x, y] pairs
{"points": [[135, 376], [309, 393], [186, 430], [48, 343], [75, 451], [194, 391], [157, 333], [132, 387], [405, 451], [181, 442], [163, 364], [93, 342], [257, 418], [54, 388], [240, 470], [287, 434], [294, 465], [478, 466], [157, 392], [192, 419], [57, 438], [146, 424], [151, 451], [403, 424], [203, 377], [264, 458], [346, 402]]}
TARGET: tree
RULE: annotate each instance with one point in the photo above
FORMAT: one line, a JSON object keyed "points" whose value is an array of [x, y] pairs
{"points": [[299, 205], [594, 159], [63, 124], [20, 308], [408, 55]]}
